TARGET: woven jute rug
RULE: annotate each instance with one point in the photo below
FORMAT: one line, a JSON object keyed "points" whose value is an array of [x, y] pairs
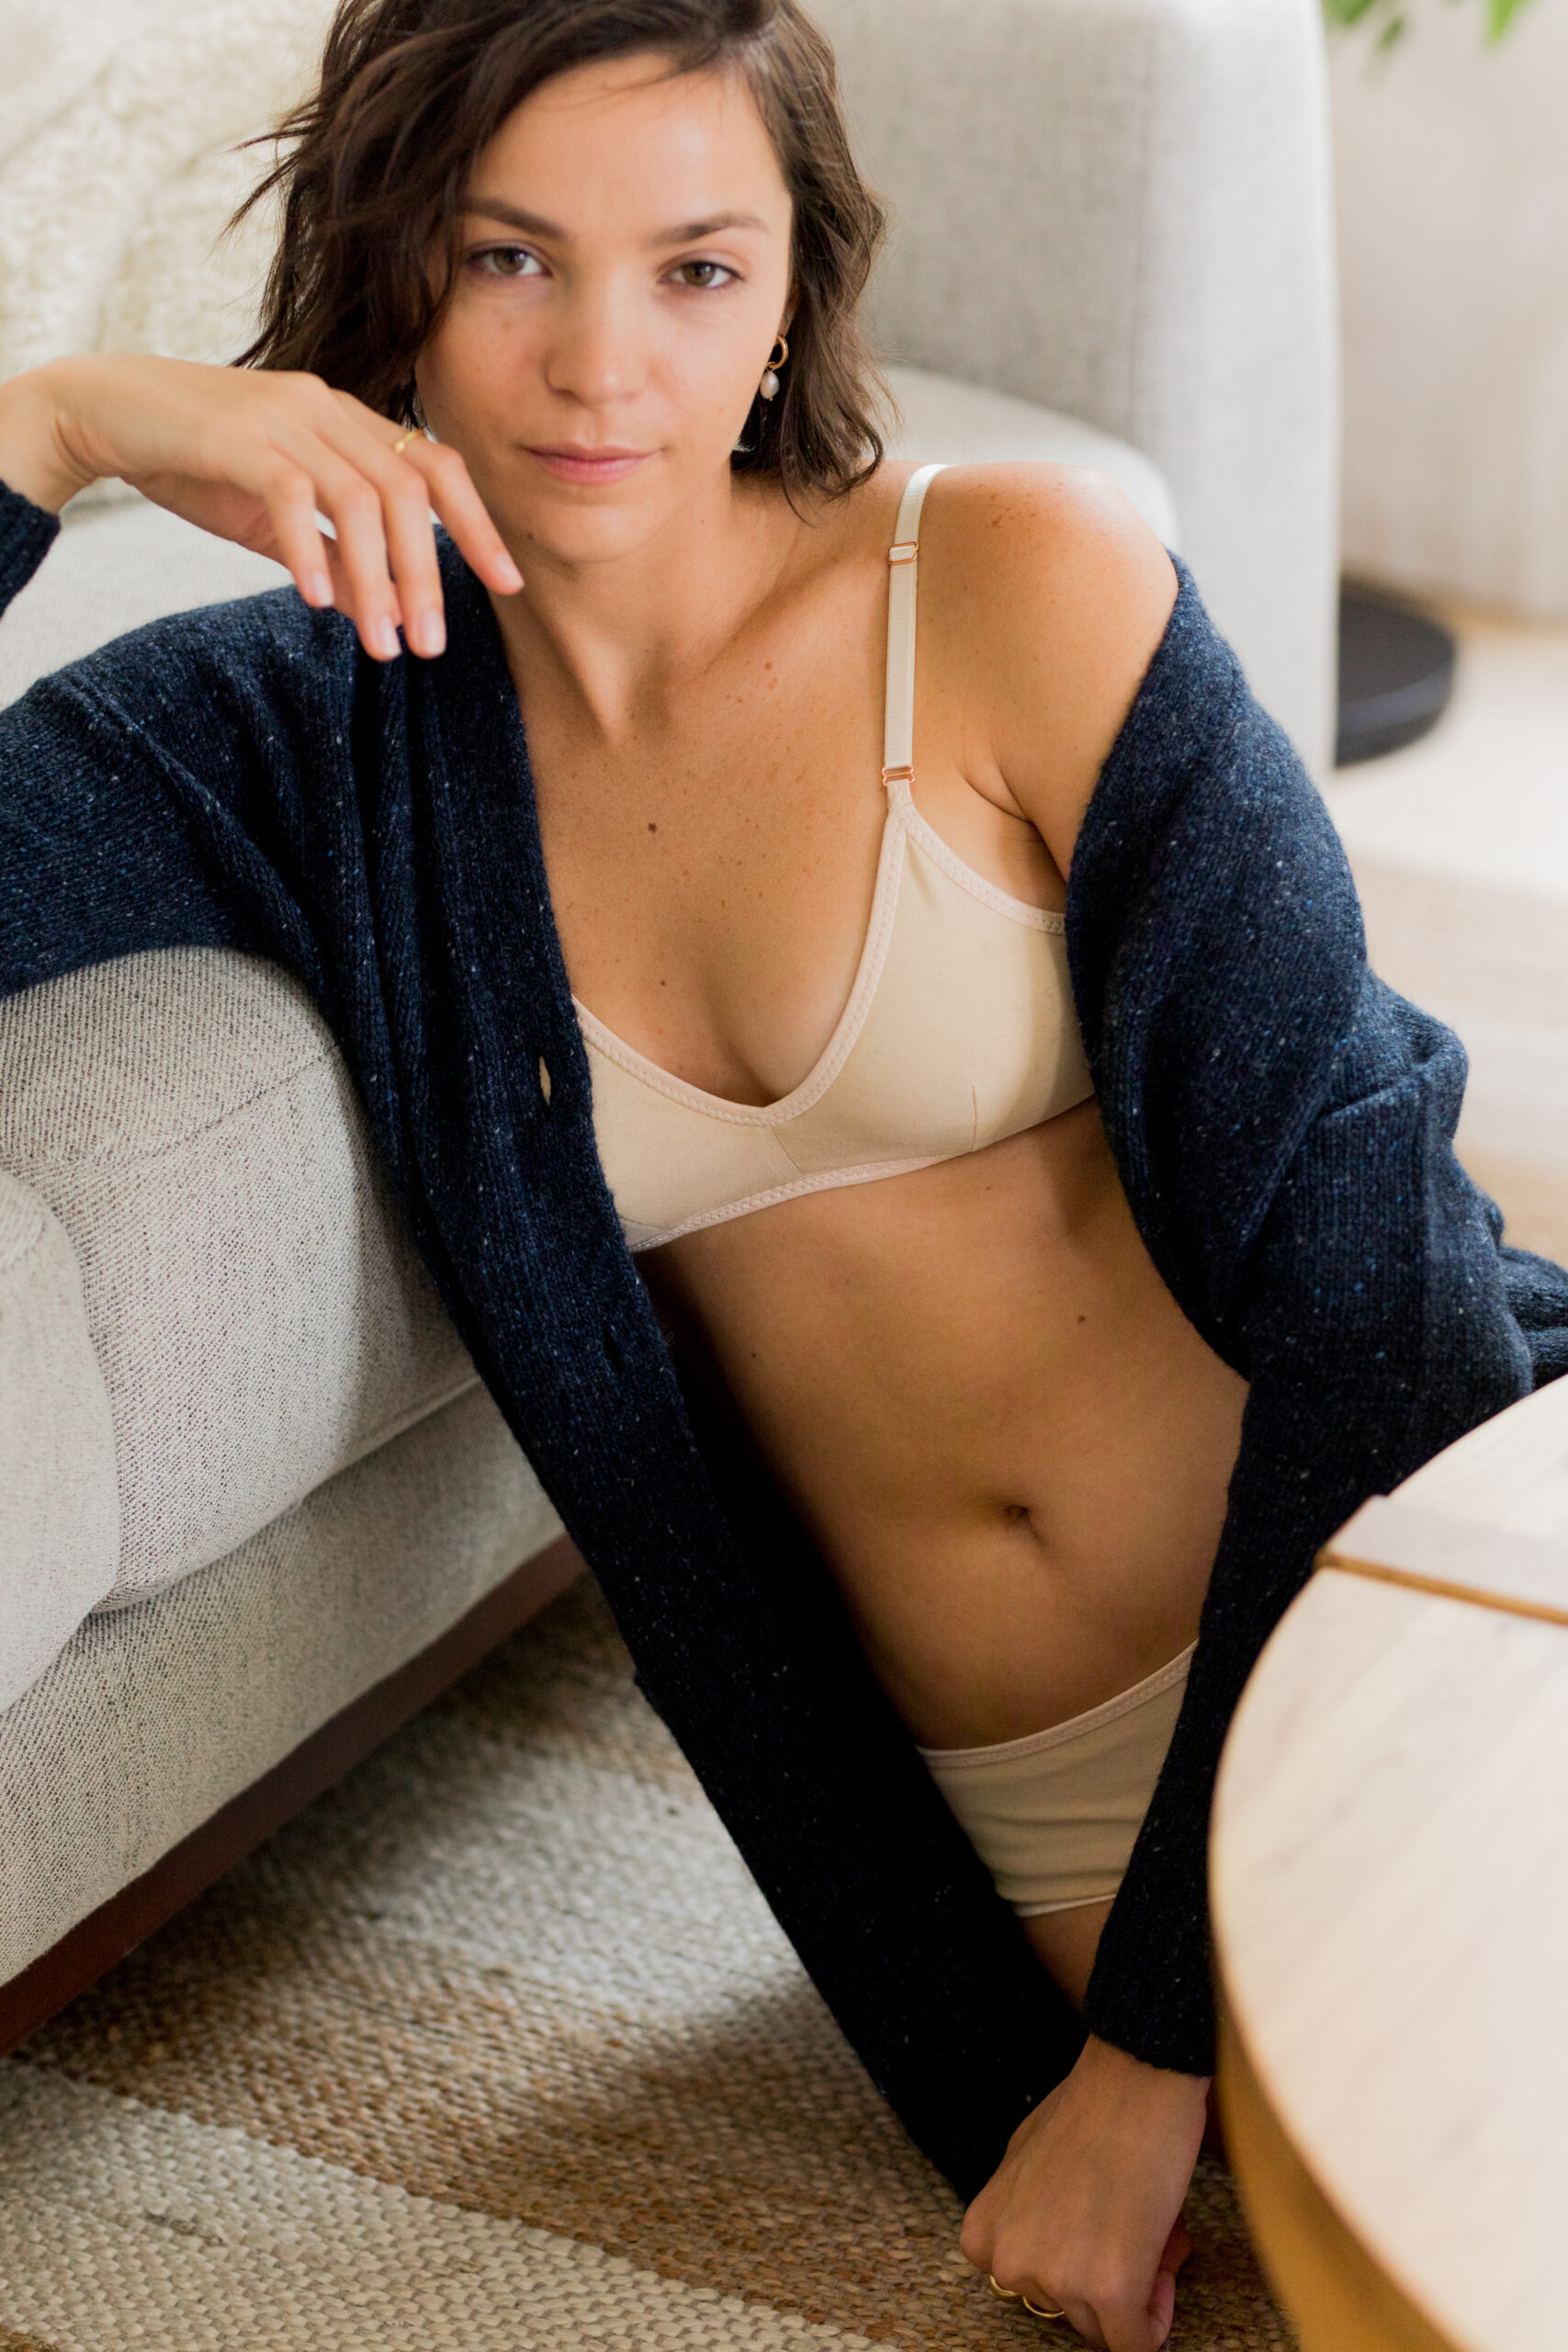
{"points": [[498, 2048]]}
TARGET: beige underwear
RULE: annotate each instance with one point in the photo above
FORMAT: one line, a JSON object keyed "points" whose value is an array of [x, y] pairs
{"points": [[1054, 1817]]}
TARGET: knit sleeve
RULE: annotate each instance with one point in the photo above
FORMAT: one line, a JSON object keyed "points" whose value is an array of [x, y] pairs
{"points": [[1283, 1126], [26, 534], [153, 795]]}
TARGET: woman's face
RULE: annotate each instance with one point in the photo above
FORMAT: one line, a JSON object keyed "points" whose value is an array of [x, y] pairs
{"points": [[624, 267]]}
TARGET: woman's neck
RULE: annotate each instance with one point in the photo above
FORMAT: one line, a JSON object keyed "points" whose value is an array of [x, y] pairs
{"points": [[626, 636]]}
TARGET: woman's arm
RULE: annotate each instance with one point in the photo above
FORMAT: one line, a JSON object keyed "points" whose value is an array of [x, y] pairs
{"points": [[96, 859], [1044, 599], [256, 457], [1282, 1125], [133, 812]]}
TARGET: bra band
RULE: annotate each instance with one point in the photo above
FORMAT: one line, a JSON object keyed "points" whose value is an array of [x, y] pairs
{"points": [[898, 726]]}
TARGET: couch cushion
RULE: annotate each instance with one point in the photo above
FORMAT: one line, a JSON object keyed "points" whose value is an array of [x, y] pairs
{"points": [[152, 1717], [964, 426], [111, 569], [57, 1466], [256, 1307]]}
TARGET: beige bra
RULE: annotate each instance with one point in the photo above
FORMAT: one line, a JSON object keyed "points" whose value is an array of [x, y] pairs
{"points": [[959, 1027]]}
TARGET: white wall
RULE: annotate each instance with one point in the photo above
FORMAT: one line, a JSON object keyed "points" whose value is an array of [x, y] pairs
{"points": [[1453, 184]]}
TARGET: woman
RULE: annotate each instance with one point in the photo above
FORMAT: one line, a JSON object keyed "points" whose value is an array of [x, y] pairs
{"points": [[581, 274]]}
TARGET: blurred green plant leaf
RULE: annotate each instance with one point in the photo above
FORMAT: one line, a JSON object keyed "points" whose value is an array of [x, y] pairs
{"points": [[1390, 21]]}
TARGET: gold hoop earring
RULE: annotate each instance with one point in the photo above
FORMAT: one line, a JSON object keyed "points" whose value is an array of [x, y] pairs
{"points": [[769, 387]]}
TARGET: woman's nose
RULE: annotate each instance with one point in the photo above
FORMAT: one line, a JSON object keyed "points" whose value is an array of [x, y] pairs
{"points": [[597, 355]]}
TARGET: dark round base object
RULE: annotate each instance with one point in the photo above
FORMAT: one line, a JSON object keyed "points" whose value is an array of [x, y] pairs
{"points": [[1397, 673]]}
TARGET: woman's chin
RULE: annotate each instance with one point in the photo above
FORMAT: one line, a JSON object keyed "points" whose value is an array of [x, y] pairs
{"points": [[578, 529]]}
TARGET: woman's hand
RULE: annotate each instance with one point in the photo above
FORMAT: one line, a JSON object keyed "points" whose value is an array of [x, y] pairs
{"points": [[1084, 2213], [252, 456]]}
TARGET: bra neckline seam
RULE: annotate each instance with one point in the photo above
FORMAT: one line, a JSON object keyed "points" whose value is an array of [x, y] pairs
{"points": [[840, 1043], [901, 802], [809, 1181], [905, 823]]}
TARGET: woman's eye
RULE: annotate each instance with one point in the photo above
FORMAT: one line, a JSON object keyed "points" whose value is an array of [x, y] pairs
{"points": [[508, 261], [703, 274]]}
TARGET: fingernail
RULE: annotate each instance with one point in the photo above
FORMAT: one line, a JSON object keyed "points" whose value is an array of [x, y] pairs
{"points": [[319, 588], [384, 640], [428, 633], [507, 576]]}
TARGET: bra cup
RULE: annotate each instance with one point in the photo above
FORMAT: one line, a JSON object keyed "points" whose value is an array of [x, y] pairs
{"points": [[960, 1031], [960, 1028], [971, 1036], [665, 1161]]}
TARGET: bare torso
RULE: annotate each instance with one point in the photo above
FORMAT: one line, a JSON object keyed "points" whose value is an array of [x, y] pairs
{"points": [[1012, 1447], [1009, 1441]]}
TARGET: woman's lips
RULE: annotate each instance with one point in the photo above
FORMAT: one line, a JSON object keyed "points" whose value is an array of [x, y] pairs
{"points": [[569, 464]]}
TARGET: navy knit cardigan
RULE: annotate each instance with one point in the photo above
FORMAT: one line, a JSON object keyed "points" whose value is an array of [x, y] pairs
{"points": [[245, 776]]}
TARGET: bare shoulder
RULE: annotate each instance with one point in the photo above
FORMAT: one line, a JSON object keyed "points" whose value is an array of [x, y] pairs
{"points": [[1043, 598]]}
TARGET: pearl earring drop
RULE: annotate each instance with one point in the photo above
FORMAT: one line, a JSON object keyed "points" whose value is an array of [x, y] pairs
{"points": [[769, 387]]}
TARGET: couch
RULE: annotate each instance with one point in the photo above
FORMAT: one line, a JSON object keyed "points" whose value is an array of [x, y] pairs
{"points": [[255, 1505]]}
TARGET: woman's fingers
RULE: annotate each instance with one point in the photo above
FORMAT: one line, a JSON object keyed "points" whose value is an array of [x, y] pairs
{"points": [[410, 551], [357, 498], [261, 472], [1111, 2321], [297, 535], [1178, 2247], [386, 541], [390, 457], [260, 457], [384, 570], [460, 507], [405, 488], [1084, 2210]]}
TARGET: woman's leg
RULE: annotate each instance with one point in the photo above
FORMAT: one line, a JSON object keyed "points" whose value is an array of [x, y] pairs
{"points": [[1066, 1942]]}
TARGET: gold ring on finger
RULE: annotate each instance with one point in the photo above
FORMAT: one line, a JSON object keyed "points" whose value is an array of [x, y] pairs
{"points": [[402, 442], [1003, 2294], [1039, 2310]]}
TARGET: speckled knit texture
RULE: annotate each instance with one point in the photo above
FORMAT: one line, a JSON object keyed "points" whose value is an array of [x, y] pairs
{"points": [[497, 2047], [245, 776]]}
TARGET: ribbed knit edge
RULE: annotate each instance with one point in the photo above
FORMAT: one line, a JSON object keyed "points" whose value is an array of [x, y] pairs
{"points": [[26, 534]]}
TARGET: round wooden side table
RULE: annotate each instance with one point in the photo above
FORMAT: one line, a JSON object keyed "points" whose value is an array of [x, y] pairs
{"points": [[1389, 1873]]}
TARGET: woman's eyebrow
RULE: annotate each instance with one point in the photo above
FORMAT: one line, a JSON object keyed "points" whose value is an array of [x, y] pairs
{"points": [[533, 225], [692, 230], [494, 208]]}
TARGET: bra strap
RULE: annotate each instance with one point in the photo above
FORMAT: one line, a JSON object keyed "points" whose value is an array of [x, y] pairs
{"points": [[898, 728]]}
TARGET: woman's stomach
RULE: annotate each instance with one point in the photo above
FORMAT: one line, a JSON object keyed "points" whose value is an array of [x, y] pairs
{"points": [[1011, 1445]]}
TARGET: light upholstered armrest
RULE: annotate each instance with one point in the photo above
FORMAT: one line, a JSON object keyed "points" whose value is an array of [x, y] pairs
{"points": [[258, 1310], [59, 1498], [1121, 208]]}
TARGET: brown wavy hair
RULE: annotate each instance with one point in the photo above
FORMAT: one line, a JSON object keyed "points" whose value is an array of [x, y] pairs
{"points": [[374, 165]]}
